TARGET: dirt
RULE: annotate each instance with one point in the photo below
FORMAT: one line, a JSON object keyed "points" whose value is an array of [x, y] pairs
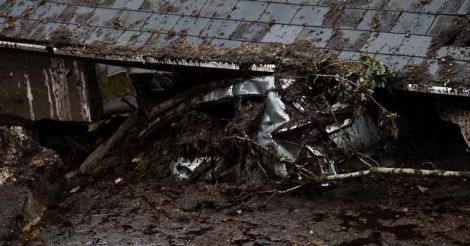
{"points": [[155, 211]]}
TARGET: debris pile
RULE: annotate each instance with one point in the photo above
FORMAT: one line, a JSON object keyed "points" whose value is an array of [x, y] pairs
{"points": [[30, 181], [305, 122]]}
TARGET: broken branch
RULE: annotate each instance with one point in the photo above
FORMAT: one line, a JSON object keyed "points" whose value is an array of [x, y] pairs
{"points": [[396, 171]]}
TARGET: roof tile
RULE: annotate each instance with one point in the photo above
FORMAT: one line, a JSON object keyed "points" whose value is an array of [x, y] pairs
{"points": [[441, 23], [104, 17], [251, 31], [19, 8], [80, 33], [383, 42], [415, 45], [279, 13], [218, 8], [465, 8], [248, 10], [191, 25], [310, 15], [128, 4], [382, 21], [451, 7], [220, 28], [189, 7], [48, 11], [340, 17], [319, 36], [336, 2], [282, 34], [368, 4], [393, 62], [414, 23], [226, 43], [408, 5], [458, 53], [350, 55], [162, 6], [160, 22], [99, 34], [133, 38], [305, 2], [76, 14], [133, 20], [348, 40]]}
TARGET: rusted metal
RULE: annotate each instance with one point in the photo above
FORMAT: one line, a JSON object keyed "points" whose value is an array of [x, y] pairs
{"points": [[35, 87]]}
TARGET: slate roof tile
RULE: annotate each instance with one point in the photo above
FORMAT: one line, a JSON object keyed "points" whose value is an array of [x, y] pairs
{"points": [[279, 13], [465, 8], [48, 11], [133, 38], [458, 53], [310, 15], [415, 45], [368, 4], [386, 43], [132, 20], [189, 7], [220, 28], [104, 17], [80, 33], [282, 34], [414, 23], [42, 31], [226, 42], [305, 2], [350, 55], [251, 31], [128, 4], [318, 35], [393, 62], [248, 10], [451, 7], [341, 17], [18, 8], [191, 25], [99, 34], [76, 14], [161, 6], [408, 5], [336, 2], [348, 40], [218, 8], [382, 21], [20, 29], [160, 22], [441, 23]]}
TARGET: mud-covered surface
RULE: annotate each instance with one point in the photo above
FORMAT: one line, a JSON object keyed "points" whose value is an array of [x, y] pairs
{"points": [[372, 211]]}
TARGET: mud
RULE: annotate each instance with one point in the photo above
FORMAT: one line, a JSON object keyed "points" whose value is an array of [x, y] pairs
{"points": [[151, 211]]}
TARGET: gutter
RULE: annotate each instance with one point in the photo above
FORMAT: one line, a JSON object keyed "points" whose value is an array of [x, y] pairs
{"points": [[139, 59]]}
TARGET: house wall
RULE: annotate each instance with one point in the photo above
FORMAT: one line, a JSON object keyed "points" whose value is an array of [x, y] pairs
{"points": [[35, 87]]}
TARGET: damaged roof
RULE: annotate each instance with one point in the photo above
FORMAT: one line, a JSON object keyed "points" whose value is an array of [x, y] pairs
{"points": [[431, 34]]}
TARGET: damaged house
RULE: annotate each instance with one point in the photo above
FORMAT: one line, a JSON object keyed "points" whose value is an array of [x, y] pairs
{"points": [[230, 89]]}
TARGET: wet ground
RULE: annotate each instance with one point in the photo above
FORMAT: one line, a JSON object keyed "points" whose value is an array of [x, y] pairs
{"points": [[370, 211]]}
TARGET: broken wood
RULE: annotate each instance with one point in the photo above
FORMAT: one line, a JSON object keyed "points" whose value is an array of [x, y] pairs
{"points": [[396, 171], [92, 161]]}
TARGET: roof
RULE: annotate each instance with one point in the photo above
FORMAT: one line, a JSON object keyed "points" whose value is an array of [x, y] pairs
{"points": [[427, 33]]}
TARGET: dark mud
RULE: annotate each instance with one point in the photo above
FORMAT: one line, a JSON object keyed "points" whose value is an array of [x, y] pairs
{"points": [[372, 211]]}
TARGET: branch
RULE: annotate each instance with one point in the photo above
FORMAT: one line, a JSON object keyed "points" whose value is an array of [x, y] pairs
{"points": [[396, 171]]}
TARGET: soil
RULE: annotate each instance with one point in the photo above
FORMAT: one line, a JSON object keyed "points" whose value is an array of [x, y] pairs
{"points": [[149, 211]]}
